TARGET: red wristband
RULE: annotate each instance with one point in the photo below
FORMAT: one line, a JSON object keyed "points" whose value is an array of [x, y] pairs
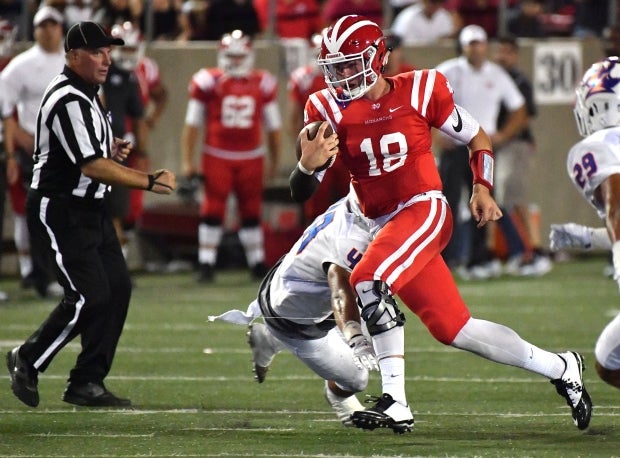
{"points": [[481, 163]]}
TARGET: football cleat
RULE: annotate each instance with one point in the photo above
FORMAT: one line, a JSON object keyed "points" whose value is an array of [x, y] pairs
{"points": [[571, 387], [206, 273], [343, 407], [263, 351], [386, 413]]}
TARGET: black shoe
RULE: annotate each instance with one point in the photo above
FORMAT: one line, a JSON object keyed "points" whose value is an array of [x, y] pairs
{"points": [[28, 281], [206, 273], [92, 395], [24, 378], [259, 271]]}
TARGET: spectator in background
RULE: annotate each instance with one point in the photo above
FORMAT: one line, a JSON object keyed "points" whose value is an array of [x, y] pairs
{"points": [[425, 22], [24, 81], [165, 19], [233, 103], [10, 10], [484, 13], [480, 87], [512, 172], [335, 9], [302, 82], [112, 12], [611, 40], [73, 10], [590, 17], [224, 16], [293, 18], [527, 22], [8, 33], [193, 21], [396, 6]]}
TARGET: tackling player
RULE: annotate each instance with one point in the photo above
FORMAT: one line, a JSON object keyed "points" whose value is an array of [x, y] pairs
{"points": [[306, 298], [593, 165], [382, 131]]}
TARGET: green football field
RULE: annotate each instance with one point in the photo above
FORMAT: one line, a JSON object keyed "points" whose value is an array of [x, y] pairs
{"points": [[194, 394]]}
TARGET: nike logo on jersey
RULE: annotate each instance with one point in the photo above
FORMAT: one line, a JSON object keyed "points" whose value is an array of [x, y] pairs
{"points": [[459, 122], [392, 110]]}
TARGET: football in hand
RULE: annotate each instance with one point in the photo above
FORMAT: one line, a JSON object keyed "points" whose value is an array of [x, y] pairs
{"points": [[310, 132]]}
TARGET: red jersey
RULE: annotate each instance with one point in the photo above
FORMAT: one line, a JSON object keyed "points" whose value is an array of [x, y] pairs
{"points": [[148, 76], [233, 109], [305, 81], [386, 144]]}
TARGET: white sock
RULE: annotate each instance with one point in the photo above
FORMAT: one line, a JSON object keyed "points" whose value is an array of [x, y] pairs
{"points": [[393, 378], [251, 239], [209, 238], [501, 344], [390, 350], [545, 363]]}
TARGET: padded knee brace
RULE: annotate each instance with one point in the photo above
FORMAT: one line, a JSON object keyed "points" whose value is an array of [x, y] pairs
{"points": [[384, 314]]}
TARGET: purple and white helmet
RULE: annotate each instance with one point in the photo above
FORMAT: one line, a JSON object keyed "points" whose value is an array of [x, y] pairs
{"points": [[597, 105]]}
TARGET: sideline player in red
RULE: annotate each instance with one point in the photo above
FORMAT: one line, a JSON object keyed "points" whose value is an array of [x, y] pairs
{"points": [[303, 82], [382, 132], [154, 95], [233, 102]]}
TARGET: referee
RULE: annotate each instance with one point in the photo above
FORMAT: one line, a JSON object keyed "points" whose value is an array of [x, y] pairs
{"points": [[77, 159]]}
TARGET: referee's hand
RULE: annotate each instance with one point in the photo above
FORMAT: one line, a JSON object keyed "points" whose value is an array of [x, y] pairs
{"points": [[162, 182], [121, 149]]}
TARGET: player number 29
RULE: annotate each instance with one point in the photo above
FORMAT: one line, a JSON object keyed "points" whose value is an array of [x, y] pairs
{"points": [[389, 161], [584, 169]]}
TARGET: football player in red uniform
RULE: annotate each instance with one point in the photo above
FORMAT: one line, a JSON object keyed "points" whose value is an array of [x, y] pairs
{"points": [[154, 94], [234, 102], [382, 133]]}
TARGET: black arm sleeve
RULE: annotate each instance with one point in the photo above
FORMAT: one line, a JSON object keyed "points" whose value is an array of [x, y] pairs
{"points": [[302, 185]]}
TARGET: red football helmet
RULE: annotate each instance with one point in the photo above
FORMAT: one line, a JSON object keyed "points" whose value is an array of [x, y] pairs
{"points": [[8, 32], [352, 57], [235, 56]]}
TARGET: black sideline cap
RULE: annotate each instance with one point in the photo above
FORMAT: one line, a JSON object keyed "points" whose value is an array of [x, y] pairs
{"points": [[89, 35]]}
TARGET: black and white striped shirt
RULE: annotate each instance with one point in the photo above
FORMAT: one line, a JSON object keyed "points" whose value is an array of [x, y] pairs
{"points": [[72, 129]]}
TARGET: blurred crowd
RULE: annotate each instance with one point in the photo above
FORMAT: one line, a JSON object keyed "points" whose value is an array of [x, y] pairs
{"points": [[416, 21]]}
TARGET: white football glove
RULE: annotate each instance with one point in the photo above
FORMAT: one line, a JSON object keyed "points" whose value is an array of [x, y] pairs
{"points": [[569, 236], [576, 236], [363, 353]]}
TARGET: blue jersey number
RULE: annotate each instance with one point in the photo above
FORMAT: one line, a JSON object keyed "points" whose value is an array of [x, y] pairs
{"points": [[314, 229], [585, 169]]}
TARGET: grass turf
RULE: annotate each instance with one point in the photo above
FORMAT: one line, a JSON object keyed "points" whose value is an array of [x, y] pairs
{"points": [[193, 392]]}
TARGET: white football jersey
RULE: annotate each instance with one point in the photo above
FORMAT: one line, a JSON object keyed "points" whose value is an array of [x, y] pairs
{"points": [[592, 161], [299, 291]]}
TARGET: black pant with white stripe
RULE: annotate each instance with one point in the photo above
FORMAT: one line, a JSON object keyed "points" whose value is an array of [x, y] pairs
{"points": [[92, 270]]}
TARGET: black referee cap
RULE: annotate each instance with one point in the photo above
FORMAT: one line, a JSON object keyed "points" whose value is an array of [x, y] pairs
{"points": [[90, 35]]}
